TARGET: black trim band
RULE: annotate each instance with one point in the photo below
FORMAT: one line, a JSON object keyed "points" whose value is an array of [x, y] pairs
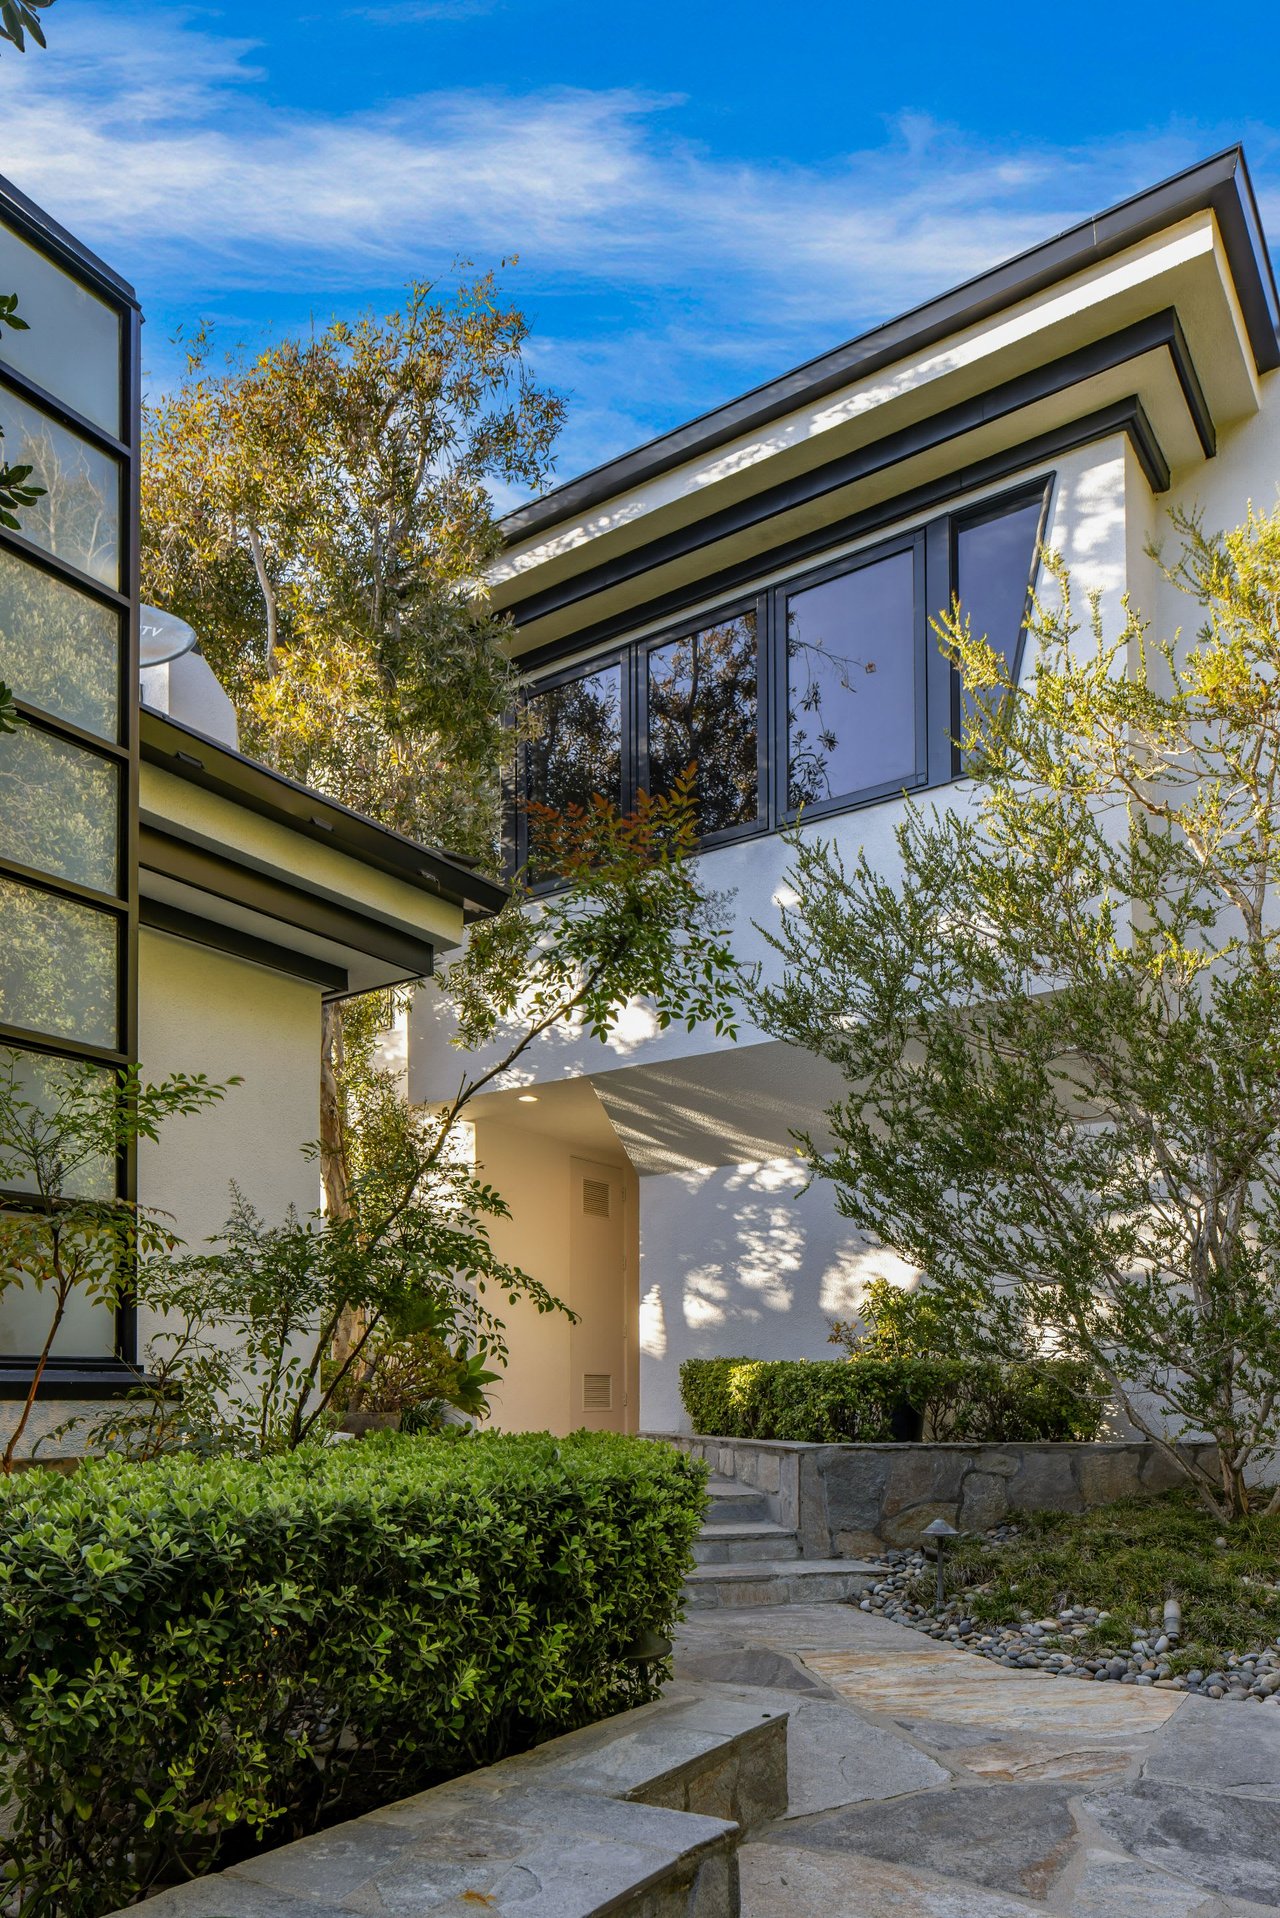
{"points": [[1123, 416], [1220, 184], [240, 885], [1159, 330], [241, 945]]}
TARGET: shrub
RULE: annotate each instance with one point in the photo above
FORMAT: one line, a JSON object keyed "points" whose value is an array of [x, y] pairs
{"points": [[859, 1400], [195, 1652]]}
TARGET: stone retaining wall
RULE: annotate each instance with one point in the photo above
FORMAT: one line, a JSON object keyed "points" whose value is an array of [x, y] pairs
{"points": [[845, 1501]]}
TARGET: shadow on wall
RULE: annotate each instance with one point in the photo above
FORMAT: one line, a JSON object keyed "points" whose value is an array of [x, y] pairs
{"points": [[734, 1264]]}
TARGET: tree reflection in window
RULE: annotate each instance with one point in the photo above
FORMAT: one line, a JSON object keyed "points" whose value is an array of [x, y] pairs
{"points": [[995, 567], [851, 691], [575, 741], [702, 708]]}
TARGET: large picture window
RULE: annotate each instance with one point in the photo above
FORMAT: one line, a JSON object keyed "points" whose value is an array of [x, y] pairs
{"points": [[68, 618], [815, 694]]}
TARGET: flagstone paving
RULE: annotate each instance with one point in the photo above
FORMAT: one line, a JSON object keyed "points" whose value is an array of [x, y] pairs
{"points": [[927, 1783]]}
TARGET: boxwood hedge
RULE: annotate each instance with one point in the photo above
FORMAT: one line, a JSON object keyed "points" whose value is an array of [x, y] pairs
{"points": [[871, 1400], [193, 1652]]}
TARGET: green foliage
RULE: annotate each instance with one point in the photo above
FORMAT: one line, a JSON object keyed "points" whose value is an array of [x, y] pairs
{"points": [[18, 19], [1059, 1018], [1127, 1559], [859, 1400], [193, 1652], [8, 711], [63, 1125]]}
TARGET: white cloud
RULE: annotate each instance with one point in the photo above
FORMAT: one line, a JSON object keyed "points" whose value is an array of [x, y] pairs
{"points": [[154, 139]]}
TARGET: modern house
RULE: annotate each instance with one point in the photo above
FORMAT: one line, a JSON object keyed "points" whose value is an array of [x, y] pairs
{"points": [[162, 898], [754, 591]]}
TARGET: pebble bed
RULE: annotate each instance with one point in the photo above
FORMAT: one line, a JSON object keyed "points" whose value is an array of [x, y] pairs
{"points": [[1051, 1645]]}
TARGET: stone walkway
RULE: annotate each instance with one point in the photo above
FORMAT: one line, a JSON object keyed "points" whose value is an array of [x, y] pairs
{"points": [[927, 1783]]}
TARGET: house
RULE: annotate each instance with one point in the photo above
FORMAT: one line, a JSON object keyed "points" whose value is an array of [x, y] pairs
{"points": [[162, 897], [753, 590]]}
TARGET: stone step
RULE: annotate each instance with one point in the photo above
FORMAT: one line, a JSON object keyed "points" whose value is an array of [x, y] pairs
{"points": [[729, 1503], [805, 1581], [732, 1543]]}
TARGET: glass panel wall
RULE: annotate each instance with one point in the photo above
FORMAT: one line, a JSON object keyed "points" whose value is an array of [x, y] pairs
{"points": [[66, 966], [994, 565], [78, 517], [702, 710], [59, 649], [72, 343], [851, 683]]}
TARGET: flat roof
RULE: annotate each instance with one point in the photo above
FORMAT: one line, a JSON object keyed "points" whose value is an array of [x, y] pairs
{"points": [[220, 769], [1220, 184]]}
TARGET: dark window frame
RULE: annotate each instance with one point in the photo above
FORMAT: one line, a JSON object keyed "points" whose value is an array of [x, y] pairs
{"points": [[68, 1375], [933, 544]]}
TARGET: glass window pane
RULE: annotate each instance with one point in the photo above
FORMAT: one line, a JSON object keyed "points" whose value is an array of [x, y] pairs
{"points": [[58, 966], [72, 345], [59, 650], [77, 519], [59, 808], [702, 707], [995, 560], [575, 748], [46, 1084], [851, 682], [88, 1329]]}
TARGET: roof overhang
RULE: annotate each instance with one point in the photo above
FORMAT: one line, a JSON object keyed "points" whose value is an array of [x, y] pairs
{"points": [[1160, 315]]}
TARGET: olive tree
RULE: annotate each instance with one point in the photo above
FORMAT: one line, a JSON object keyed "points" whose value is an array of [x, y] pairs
{"points": [[1059, 1020]]}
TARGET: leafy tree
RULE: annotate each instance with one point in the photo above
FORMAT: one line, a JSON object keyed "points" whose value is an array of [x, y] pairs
{"points": [[1060, 1022], [62, 1126], [18, 19]]}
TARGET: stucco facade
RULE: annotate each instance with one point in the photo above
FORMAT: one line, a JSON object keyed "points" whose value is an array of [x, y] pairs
{"points": [[1129, 367]]}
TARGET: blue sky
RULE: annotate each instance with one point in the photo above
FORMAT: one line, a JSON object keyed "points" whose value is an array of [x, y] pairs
{"points": [[700, 194]]}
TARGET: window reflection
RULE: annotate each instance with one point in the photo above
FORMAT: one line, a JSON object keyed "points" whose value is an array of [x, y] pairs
{"points": [[77, 519], [59, 650], [995, 563], [47, 1083], [575, 748], [702, 708], [72, 345], [59, 808], [58, 966], [851, 682]]}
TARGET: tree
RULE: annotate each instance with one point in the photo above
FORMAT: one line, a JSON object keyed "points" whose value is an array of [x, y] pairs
{"points": [[322, 517], [1060, 1023], [18, 19], [62, 1126]]}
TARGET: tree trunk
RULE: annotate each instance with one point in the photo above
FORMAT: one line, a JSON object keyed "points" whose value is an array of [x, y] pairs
{"points": [[333, 1152]]}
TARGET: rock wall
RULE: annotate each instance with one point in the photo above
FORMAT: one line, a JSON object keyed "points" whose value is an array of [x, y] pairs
{"points": [[848, 1500]]}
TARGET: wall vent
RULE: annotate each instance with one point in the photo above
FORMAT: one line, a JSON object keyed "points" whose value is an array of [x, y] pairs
{"points": [[597, 1391], [595, 1198]]}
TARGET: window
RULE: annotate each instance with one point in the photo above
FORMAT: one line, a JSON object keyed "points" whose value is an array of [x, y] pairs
{"points": [[825, 691], [852, 666], [69, 408], [575, 744], [702, 711], [995, 556]]}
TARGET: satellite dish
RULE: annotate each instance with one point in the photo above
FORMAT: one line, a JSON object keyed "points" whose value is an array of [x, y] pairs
{"points": [[163, 636]]}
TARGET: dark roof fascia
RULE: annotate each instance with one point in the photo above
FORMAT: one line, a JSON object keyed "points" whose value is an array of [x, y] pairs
{"points": [[1220, 184], [220, 769], [63, 247]]}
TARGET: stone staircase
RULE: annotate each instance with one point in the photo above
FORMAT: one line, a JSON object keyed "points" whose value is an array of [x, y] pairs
{"points": [[744, 1556]]}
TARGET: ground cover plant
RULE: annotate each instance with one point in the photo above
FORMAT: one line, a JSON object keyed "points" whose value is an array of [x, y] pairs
{"points": [[1127, 1559], [195, 1652], [870, 1400]]}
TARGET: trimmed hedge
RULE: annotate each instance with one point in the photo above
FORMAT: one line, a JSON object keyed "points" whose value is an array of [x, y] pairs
{"points": [[193, 1652], [861, 1400]]}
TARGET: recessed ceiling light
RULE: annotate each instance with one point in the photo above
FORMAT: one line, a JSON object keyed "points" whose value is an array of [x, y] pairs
{"points": [[528, 1098]]}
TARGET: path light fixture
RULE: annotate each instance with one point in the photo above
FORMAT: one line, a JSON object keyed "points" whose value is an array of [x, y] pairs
{"points": [[939, 1531]]}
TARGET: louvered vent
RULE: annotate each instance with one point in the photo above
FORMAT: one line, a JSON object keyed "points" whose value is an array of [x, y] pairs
{"points": [[595, 1198], [597, 1387]]}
